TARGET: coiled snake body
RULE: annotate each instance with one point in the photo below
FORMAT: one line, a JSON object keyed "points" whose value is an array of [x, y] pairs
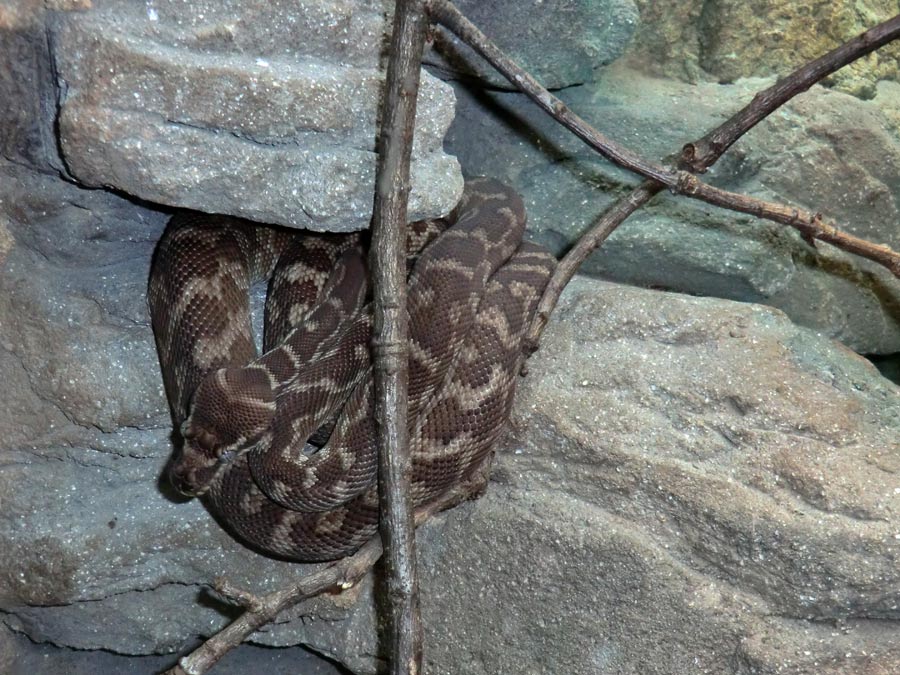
{"points": [[246, 419]]}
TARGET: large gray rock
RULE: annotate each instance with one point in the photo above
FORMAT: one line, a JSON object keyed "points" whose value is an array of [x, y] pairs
{"points": [[257, 109], [561, 42], [690, 485], [825, 151]]}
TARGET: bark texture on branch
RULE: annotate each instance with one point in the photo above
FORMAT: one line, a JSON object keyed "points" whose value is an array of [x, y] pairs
{"points": [[390, 343]]}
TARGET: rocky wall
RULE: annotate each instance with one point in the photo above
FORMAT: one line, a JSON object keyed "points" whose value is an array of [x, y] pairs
{"points": [[688, 485]]}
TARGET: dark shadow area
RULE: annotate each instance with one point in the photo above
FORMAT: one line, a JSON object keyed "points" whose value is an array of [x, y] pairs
{"points": [[21, 656], [380, 595], [888, 365]]}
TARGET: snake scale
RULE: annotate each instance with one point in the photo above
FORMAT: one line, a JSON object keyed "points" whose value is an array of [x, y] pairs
{"points": [[280, 446]]}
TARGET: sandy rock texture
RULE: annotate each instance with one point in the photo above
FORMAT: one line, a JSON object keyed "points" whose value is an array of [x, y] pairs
{"points": [[691, 485]]}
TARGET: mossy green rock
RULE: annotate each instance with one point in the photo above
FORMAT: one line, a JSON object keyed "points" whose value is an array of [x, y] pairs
{"points": [[729, 39]]}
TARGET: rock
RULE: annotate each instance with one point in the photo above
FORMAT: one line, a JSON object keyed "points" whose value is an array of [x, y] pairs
{"points": [[667, 41], [86, 434], [758, 34], [690, 484], [256, 109], [561, 42], [729, 39], [807, 154], [888, 101]]}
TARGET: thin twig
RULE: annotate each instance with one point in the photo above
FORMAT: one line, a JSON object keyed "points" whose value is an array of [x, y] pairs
{"points": [[262, 610], [614, 216], [681, 182], [702, 154], [390, 343]]}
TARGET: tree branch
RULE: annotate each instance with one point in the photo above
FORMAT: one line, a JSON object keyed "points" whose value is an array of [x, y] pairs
{"points": [[678, 182], [262, 610], [604, 226], [702, 154], [390, 342]]}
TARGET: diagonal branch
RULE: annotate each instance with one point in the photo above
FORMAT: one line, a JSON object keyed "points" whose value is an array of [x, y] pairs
{"points": [[703, 153], [263, 609], [590, 241], [681, 182]]}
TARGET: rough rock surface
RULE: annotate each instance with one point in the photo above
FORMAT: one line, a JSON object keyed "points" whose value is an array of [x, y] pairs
{"points": [[724, 40], [826, 151], [690, 485], [561, 42], [264, 110]]}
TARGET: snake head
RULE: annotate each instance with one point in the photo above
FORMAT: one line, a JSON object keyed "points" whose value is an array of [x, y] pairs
{"points": [[230, 411]]}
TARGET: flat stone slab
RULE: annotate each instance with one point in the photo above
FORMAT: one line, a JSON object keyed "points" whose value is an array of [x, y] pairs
{"points": [[255, 109]]}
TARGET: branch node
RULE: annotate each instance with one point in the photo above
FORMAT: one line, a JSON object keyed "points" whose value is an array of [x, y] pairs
{"points": [[388, 350], [686, 183], [231, 593], [688, 155]]}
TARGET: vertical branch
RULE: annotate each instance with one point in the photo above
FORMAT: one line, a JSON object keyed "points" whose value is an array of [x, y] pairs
{"points": [[390, 344]]}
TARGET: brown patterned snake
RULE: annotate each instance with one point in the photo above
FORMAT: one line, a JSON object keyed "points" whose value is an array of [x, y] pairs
{"points": [[246, 419]]}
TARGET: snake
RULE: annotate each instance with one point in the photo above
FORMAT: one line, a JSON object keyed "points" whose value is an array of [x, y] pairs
{"points": [[280, 442]]}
